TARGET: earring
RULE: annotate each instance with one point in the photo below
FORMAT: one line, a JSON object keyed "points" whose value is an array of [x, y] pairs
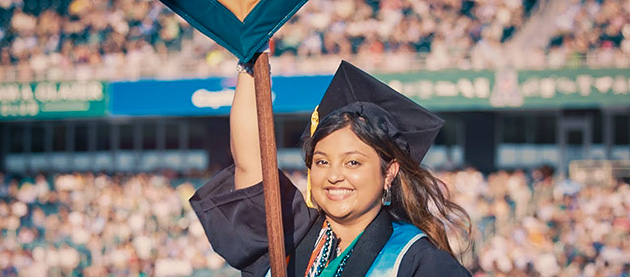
{"points": [[387, 197]]}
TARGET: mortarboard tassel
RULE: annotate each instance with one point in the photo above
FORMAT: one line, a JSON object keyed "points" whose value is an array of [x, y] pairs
{"points": [[314, 123]]}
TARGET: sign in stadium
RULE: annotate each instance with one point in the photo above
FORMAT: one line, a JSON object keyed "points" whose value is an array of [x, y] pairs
{"points": [[212, 96], [52, 100], [437, 90], [484, 90]]}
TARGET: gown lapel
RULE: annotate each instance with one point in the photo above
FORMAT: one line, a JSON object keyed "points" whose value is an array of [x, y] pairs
{"points": [[365, 251], [369, 245], [299, 260]]}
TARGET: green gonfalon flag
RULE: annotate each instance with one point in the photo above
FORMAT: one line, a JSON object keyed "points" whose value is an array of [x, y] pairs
{"points": [[241, 26]]}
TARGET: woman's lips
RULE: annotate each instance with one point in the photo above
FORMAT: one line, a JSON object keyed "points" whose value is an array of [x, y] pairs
{"points": [[338, 193]]}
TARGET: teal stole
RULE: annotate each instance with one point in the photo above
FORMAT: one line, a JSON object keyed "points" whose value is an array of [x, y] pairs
{"points": [[388, 261]]}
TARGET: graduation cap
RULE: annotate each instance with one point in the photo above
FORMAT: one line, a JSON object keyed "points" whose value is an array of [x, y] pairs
{"points": [[413, 127]]}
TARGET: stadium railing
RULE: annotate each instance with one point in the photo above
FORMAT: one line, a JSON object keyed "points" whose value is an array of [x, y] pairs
{"points": [[173, 66]]}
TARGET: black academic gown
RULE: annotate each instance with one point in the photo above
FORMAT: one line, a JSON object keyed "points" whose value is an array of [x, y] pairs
{"points": [[234, 222]]}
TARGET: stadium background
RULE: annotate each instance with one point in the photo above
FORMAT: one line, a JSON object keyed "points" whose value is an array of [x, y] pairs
{"points": [[112, 112]]}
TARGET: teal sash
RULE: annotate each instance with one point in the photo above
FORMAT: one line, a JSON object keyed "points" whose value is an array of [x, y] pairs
{"points": [[388, 260]]}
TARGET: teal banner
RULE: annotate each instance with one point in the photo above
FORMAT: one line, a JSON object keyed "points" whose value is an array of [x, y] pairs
{"points": [[52, 100], [490, 90], [241, 26]]}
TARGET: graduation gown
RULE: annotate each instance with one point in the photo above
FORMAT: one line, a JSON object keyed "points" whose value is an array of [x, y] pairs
{"points": [[234, 222]]}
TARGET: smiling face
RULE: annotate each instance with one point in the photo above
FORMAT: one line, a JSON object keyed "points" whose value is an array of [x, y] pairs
{"points": [[346, 178]]}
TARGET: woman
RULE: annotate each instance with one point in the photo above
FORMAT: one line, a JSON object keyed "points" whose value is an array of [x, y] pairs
{"points": [[378, 212]]}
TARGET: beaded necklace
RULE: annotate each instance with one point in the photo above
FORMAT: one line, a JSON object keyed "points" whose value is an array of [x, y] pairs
{"points": [[323, 261], [342, 264], [325, 256]]}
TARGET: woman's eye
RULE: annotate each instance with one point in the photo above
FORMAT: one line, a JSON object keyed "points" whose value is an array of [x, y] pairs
{"points": [[354, 163], [321, 162]]}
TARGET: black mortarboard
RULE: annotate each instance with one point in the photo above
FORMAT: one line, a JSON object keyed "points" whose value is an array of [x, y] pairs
{"points": [[354, 90]]}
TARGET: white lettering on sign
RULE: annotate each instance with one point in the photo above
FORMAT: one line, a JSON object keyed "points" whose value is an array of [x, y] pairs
{"points": [[446, 89], [31, 99], [427, 89], [604, 84], [547, 87], [203, 98], [529, 88], [566, 85], [482, 87], [80, 91], [26, 93], [9, 93], [45, 92], [584, 84], [620, 86], [410, 89], [466, 88], [24, 108], [51, 92], [509, 91]]}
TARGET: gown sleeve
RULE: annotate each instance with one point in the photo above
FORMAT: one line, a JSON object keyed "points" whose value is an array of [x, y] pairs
{"points": [[424, 259], [234, 220]]}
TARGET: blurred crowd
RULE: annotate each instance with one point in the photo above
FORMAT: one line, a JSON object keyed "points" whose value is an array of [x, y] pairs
{"points": [[534, 225], [87, 38], [592, 28], [127, 39], [445, 31], [524, 224], [100, 225]]}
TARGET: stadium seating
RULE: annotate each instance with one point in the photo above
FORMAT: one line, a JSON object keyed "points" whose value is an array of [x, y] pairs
{"points": [[523, 223], [105, 39]]}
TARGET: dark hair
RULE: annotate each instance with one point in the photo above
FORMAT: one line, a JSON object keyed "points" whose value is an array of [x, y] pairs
{"points": [[418, 197]]}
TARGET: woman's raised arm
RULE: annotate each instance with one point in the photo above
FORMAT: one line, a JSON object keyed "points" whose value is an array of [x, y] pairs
{"points": [[244, 142]]}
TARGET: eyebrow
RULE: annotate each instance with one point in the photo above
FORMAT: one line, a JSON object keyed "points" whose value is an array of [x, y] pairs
{"points": [[345, 153]]}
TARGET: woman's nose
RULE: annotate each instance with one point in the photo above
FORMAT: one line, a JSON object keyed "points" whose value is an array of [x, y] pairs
{"points": [[335, 174]]}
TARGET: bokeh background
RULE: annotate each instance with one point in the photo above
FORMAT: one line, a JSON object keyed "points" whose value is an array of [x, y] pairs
{"points": [[113, 111]]}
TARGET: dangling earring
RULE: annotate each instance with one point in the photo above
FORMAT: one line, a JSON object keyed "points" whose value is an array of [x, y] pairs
{"points": [[387, 197]]}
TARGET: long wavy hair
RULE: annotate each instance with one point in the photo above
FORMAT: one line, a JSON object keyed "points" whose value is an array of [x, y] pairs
{"points": [[418, 197]]}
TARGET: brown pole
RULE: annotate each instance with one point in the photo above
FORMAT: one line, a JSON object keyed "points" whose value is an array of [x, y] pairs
{"points": [[269, 161]]}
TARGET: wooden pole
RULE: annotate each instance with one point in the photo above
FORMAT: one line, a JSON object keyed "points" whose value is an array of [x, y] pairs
{"points": [[271, 183]]}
